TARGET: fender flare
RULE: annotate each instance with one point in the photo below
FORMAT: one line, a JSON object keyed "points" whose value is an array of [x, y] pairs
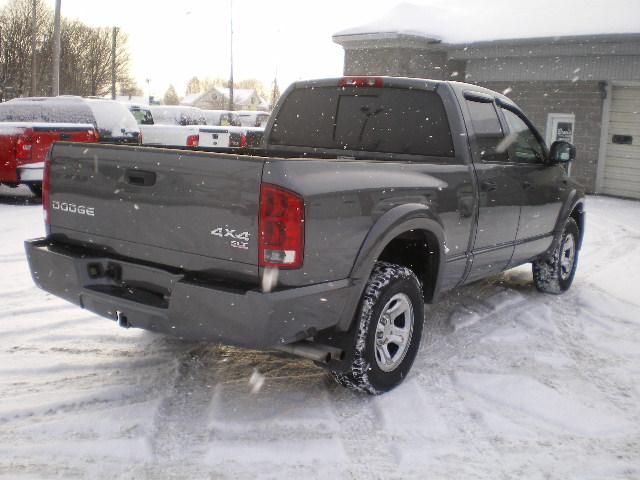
{"points": [[398, 220], [574, 200]]}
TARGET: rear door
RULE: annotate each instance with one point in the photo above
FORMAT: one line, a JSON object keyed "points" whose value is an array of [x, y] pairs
{"points": [[499, 188]]}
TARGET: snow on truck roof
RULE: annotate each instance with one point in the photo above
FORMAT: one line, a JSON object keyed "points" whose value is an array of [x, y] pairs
{"points": [[434, 24], [111, 118]]}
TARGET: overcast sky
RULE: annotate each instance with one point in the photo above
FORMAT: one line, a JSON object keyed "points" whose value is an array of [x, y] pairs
{"points": [[171, 41]]}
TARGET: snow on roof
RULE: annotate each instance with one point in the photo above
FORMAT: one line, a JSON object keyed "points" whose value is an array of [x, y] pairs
{"points": [[464, 25], [240, 95], [192, 98]]}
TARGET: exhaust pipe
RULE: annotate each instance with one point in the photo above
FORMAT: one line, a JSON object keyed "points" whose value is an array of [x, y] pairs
{"points": [[122, 319], [313, 351]]}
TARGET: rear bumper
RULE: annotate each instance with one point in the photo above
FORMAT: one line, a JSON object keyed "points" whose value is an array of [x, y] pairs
{"points": [[167, 301], [31, 172]]}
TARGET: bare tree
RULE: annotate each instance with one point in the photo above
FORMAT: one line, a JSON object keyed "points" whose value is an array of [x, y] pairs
{"points": [[85, 53]]}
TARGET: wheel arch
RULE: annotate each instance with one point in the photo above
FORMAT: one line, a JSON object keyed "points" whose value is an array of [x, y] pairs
{"points": [[407, 227], [573, 208]]}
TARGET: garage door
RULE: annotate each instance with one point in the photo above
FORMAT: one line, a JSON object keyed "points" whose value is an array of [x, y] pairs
{"points": [[622, 165]]}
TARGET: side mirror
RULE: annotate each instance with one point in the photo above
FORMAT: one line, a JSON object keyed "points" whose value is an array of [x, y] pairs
{"points": [[562, 152]]}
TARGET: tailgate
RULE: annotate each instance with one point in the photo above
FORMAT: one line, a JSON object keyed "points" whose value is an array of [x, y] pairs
{"points": [[43, 136], [167, 135], [192, 210], [214, 137]]}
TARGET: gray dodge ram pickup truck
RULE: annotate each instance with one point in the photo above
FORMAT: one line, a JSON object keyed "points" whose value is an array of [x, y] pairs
{"points": [[369, 197]]}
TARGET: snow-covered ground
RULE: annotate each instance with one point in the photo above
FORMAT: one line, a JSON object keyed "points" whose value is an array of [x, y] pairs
{"points": [[509, 383]]}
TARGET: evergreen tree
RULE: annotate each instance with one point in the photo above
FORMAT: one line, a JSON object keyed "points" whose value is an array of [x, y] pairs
{"points": [[275, 93], [194, 86], [170, 96]]}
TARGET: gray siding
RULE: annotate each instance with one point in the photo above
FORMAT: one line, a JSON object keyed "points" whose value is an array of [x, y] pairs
{"points": [[618, 67], [403, 62], [583, 99]]}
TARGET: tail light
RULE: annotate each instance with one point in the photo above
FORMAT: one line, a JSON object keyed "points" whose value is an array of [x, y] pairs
{"points": [[243, 140], [24, 145], [193, 140], [93, 136], [46, 203], [361, 82], [281, 241]]}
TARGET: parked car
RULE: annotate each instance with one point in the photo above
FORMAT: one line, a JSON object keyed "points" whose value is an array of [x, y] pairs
{"points": [[372, 196], [169, 125], [250, 118], [29, 126]]}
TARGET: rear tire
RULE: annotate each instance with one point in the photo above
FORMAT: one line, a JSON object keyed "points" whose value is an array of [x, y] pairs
{"points": [[554, 273], [36, 189], [389, 321]]}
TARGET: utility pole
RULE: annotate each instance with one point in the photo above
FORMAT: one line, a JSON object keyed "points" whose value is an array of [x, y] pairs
{"points": [[34, 65], [231, 57], [114, 34], [56, 51]]}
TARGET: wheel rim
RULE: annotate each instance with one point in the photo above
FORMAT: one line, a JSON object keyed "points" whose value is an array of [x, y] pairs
{"points": [[567, 256], [393, 332]]}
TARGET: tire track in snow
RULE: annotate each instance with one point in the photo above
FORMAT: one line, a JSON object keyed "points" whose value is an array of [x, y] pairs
{"points": [[180, 424], [362, 433]]}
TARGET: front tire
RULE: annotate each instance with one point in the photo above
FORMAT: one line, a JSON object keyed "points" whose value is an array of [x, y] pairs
{"points": [[389, 321], [554, 273]]}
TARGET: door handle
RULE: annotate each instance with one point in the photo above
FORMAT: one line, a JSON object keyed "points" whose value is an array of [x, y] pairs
{"points": [[140, 178], [488, 186]]}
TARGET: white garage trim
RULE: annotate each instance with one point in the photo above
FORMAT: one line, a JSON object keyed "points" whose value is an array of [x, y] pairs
{"points": [[604, 134], [618, 170]]}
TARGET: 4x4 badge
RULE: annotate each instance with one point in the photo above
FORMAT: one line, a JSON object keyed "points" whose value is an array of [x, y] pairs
{"points": [[238, 240]]}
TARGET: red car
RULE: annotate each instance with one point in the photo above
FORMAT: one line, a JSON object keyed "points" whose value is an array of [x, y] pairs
{"points": [[29, 126]]}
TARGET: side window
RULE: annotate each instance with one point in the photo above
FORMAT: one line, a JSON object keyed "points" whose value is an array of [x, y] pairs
{"points": [[523, 146], [488, 132]]}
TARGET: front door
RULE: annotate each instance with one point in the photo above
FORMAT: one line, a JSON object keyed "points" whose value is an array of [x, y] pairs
{"points": [[544, 187], [499, 190]]}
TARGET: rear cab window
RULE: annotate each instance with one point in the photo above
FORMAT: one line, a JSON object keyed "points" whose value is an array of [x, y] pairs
{"points": [[380, 120]]}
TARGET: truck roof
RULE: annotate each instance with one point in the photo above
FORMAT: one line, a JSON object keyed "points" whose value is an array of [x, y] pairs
{"points": [[398, 82]]}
